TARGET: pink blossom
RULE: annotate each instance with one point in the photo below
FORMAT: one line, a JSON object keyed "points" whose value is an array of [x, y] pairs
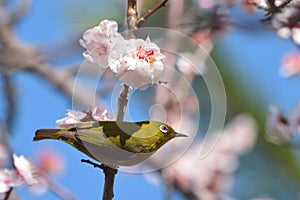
{"points": [[277, 127], [8, 179], [210, 178], [25, 169], [100, 115], [98, 42], [285, 23], [74, 117], [50, 162], [136, 62], [290, 65], [281, 130]]}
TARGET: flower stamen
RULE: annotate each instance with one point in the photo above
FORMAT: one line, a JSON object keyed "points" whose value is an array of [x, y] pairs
{"points": [[147, 55]]}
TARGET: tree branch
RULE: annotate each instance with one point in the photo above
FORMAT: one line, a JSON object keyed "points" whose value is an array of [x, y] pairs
{"points": [[122, 102], [284, 4], [57, 189], [22, 8], [7, 194], [142, 19], [132, 14], [109, 172], [95, 165], [10, 101]]}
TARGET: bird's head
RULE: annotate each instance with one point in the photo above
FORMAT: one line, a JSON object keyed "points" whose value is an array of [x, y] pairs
{"points": [[154, 135]]}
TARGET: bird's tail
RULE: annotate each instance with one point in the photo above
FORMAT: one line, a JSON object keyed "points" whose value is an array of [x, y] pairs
{"points": [[43, 134]]}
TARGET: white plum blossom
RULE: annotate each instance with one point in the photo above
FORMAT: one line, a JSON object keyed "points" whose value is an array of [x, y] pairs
{"points": [[72, 117], [8, 179], [261, 3], [25, 169], [281, 129], [265, 3], [277, 127], [136, 62], [98, 42], [296, 35], [99, 114], [286, 25]]}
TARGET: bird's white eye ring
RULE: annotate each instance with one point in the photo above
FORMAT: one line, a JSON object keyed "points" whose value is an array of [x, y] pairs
{"points": [[163, 128]]}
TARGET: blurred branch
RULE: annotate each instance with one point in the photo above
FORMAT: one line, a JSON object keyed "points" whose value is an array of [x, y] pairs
{"points": [[17, 55], [11, 106], [285, 3], [142, 19], [21, 10], [5, 151], [58, 189], [7, 194]]}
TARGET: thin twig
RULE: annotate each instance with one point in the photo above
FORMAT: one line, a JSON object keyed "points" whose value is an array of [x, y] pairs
{"points": [[95, 165], [284, 4], [142, 19]]}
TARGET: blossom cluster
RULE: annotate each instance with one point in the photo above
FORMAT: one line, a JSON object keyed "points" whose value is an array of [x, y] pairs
{"points": [[136, 62], [24, 171], [284, 16], [281, 129], [287, 23], [74, 117], [214, 172]]}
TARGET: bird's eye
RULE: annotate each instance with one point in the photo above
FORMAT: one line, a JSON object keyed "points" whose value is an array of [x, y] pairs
{"points": [[163, 128]]}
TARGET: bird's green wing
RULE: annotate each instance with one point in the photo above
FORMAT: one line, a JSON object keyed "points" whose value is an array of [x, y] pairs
{"points": [[119, 132]]}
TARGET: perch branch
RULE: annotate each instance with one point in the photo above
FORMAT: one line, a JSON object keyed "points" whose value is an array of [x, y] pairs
{"points": [[7, 194], [109, 172]]}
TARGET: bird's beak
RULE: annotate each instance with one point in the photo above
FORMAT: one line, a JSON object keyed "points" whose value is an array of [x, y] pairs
{"points": [[180, 135]]}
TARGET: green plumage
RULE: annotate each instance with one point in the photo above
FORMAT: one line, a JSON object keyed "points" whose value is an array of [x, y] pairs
{"points": [[111, 142]]}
